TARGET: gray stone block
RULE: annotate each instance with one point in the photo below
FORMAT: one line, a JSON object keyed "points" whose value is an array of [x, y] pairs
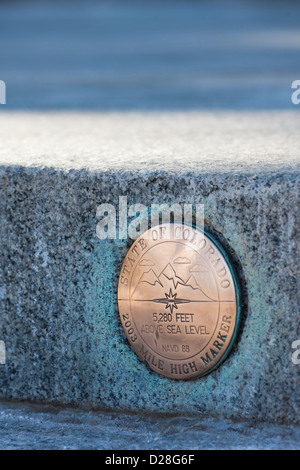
{"points": [[59, 316], [46, 427]]}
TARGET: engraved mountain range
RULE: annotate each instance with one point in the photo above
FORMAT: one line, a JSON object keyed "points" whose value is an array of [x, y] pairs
{"points": [[152, 285]]}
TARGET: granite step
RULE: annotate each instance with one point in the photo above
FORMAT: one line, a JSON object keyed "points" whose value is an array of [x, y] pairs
{"points": [[61, 337]]}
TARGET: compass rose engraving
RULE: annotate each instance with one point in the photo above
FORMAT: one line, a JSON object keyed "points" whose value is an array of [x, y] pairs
{"points": [[171, 300]]}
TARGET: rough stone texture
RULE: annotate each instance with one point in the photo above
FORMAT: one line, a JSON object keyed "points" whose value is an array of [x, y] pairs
{"points": [[59, 316], [38, 427], [180, 142]]}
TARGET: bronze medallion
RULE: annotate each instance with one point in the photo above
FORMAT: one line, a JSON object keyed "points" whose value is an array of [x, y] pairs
{"points": [[178, 301]]}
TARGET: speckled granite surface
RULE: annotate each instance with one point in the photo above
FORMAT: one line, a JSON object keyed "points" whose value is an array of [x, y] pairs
{"points": [[36, 427], [222, 141], [59, 316]]}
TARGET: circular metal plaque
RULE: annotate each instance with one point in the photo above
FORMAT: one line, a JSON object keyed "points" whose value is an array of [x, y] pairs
{"points": [[178, 301]]}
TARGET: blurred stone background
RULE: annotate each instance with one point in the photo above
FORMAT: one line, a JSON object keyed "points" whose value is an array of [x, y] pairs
{"points": [[145, 55]]}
